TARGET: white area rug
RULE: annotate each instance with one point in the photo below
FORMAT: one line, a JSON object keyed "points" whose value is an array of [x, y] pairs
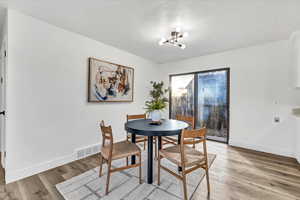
{"points": [[125, 185]]}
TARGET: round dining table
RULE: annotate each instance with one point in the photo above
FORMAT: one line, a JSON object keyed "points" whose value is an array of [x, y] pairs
{"points": [[168, 127]]}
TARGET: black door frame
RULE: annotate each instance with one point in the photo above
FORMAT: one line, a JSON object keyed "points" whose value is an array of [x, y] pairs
{"points": [[227, 69]]}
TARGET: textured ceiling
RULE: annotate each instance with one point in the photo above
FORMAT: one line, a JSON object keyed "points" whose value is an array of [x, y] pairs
{"points": [[137, 25]]}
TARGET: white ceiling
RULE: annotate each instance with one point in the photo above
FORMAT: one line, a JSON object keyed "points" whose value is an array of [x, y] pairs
{"points": [[137, 25]]}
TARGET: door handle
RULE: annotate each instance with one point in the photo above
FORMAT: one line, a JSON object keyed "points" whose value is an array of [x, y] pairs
{"points": [[2, 113]]}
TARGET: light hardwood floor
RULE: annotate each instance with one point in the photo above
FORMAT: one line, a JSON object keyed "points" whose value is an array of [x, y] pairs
{"points": [[236, 174]]}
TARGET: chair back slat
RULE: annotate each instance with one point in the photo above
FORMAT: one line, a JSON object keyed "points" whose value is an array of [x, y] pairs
{"points": [[107, 136], [133, 117], [192, 137], [198, 133], [195, 141], [188, 119]]}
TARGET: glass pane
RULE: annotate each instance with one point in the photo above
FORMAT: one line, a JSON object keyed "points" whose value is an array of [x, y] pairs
{"points": [[212, 104], [182, 95]]}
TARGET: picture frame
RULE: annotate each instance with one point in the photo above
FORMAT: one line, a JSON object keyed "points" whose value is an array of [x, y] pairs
{"points": [[109, 82]]}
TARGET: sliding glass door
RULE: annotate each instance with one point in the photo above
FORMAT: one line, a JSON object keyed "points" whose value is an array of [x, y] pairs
{"points": [[204, 95], [212, 104], [182, 95]]}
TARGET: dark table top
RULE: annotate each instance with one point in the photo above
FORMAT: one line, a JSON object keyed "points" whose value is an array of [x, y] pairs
{"points": [[166, 128]]}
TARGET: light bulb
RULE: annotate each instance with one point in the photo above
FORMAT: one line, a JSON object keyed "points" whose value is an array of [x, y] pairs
{"points": [[185, 34], [162, 41], [182, 46]]}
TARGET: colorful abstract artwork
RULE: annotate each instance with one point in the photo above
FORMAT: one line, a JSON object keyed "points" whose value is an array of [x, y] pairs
{"points": [[109, 82]]}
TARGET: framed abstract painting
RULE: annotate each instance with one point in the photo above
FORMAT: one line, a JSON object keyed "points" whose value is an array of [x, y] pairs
{"points": [[110, 82]]}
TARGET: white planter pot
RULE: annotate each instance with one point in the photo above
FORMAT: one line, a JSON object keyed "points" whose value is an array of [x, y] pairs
{"points": [[155, 115]]}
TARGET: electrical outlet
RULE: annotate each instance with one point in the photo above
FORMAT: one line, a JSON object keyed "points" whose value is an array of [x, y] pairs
{"points": [[276, 119]]}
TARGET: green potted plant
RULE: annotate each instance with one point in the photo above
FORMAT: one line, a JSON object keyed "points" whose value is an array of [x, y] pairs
{"points": [[158, 101]]}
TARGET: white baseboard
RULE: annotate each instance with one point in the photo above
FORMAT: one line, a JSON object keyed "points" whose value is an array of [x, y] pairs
{"points": [[298, 158], [14, 175], [274, 150]]}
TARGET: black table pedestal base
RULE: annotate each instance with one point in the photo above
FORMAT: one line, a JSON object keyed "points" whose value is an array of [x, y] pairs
{"points": [[150, 160], [179, 139], [133, 141]]}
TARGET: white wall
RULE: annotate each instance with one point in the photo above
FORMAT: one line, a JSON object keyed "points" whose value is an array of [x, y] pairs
{"points": [[260, 77], [3, 40], [47, 109], [297, 150], [295, 58]]}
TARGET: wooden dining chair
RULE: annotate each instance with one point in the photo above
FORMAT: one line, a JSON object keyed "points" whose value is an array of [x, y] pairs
{"points": [[189, 159], [174, 139], [138, 138], [113, 151]]}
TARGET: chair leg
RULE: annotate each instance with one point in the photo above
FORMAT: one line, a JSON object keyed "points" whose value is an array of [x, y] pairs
{"points": [[158, 169], [101, 163], [140, 168], [194, 145], [108, 177], [207, 181], [184, 185], [127, 139]]}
